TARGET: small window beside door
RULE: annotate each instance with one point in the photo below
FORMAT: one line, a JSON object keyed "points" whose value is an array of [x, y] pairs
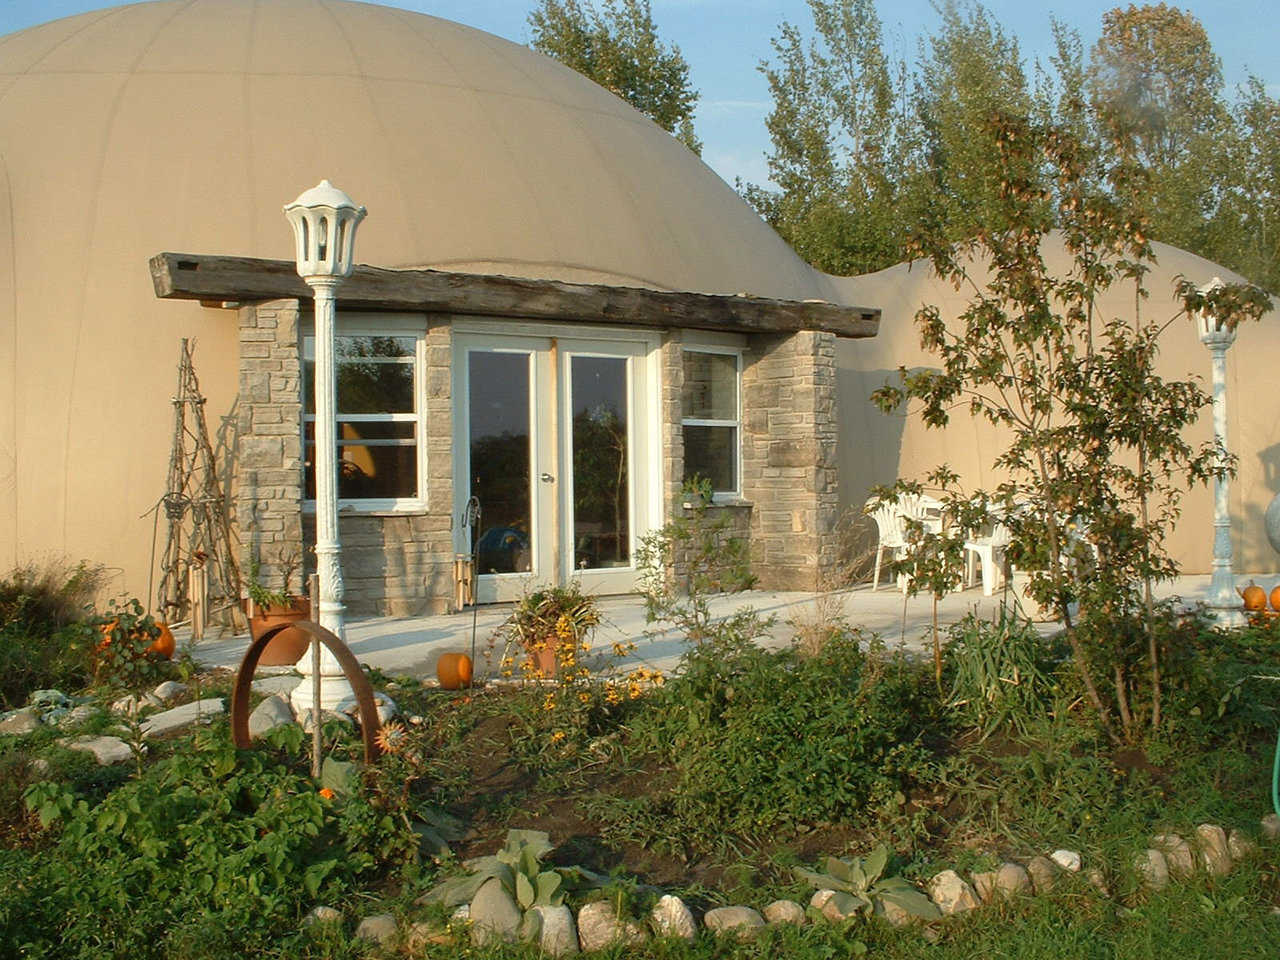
{"points": [[378, 420], [710, 417]]}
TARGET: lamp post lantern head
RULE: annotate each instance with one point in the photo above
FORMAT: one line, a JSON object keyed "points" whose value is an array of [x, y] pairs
{"points": [[324, 221], [1213, 332]]}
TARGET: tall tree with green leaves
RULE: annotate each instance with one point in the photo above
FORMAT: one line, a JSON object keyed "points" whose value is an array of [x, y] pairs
{"points": [[837, 126], [1246, 233], [617, 46], [970, 70]]}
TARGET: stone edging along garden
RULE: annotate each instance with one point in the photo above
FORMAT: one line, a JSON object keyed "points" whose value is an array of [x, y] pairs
{"points": [[493, 915]]}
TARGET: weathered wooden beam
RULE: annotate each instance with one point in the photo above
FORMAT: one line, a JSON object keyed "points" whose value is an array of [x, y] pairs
{"points": [[184, 276]]}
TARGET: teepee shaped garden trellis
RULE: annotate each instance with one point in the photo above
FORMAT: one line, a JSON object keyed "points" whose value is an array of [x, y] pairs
{"points": [[200, 580]]}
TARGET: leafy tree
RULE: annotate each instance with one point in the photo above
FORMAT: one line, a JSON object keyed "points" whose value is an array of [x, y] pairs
{"points": [[863, 147], [1153, 73], [618, 47], [969, 70], [838, 129], [1096, 461], [1154, 67], [1245, 233]]}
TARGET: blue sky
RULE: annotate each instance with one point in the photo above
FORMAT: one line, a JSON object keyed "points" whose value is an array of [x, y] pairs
{"points": [[725, 40]]}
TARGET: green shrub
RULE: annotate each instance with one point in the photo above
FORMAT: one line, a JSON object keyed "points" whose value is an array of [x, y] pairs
{"points": [[43, 642], [208, 846], [1220, 683], [756, 741], [1002, 672]]}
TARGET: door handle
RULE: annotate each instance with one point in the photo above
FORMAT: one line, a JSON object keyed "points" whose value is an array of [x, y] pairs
{"points": [[548, 478]]}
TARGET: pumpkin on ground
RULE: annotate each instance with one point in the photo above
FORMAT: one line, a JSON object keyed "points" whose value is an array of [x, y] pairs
{"points": [[163, 647], [1255, 598], [454, 671]]}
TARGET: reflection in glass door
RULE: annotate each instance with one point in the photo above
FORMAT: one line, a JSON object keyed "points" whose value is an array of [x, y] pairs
{"points": [[499, 455], [601, 516], [554, 439]]}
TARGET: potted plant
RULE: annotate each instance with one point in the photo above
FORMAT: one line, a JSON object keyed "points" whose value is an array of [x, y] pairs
{"points": [[269, 608], [552, 626]]}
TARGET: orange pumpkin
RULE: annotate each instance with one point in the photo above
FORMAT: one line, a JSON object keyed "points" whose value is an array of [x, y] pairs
{"points": [[164, 646], [1255, 598], [454, 671]]}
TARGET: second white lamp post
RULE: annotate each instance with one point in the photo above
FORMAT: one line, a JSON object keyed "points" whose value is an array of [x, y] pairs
{"points": [[1223, 600], [324, 221]]}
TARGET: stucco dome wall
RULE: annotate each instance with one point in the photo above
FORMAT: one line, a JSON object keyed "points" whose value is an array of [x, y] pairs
{"points": [[877, 448], [186, 125]]}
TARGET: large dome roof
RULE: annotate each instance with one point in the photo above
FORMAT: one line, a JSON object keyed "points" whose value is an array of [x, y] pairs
{"points": [[187, 125]]}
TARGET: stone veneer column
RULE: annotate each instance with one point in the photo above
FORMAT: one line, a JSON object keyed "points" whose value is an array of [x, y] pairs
{"points": [[672, 360], [268, 462], [789, 471]]}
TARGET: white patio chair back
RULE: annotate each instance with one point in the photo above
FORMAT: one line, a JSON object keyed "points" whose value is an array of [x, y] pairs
{"points": [[891, 517], [988, 551]]}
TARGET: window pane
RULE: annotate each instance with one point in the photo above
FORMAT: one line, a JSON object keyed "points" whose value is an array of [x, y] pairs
{"points": [[601, 494], [712, 452], [710, 386], [347, 347], [498, 395], [366, 387], [376, 461]]}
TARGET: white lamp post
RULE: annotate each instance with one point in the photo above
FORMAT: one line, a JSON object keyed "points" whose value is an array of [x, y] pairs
{"points": [[1222, 599], [324, 221]]}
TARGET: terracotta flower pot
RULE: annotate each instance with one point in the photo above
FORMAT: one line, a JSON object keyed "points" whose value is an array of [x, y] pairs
{"points": [[546, 659], [286, 647]]}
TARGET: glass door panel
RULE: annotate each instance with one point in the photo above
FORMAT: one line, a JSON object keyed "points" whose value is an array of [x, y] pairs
{"points": [[601, 509], [499, 456], [554, 437]]}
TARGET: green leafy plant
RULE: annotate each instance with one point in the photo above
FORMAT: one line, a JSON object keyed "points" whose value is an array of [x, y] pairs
{"points": [[756, 742], [206, 841], [44, 639], [555, 617], [1002, 672], [123, 658], [688, 559], [519, 868], [859, 882], [262, 596], [1094, 436]]}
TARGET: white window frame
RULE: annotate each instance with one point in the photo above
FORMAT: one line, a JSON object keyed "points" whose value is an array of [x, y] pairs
{"points": [[734, 350], [375, 325]]}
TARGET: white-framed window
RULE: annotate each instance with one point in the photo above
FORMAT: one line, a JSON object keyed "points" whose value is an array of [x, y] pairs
{"points": [[711, 416], [380, 417]]}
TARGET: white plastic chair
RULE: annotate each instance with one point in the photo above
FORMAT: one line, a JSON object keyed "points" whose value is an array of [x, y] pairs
{"points": [[891, 517], [985, 550], [891, 532]]}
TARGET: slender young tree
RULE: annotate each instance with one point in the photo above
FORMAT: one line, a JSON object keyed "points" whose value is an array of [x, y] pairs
{"points": [[1096, 459]]}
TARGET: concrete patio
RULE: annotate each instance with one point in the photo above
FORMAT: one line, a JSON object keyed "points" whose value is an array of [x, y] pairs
{"points": [[412, 646]]}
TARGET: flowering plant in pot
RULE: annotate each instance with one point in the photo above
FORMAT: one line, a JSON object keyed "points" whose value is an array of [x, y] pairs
{"points": [[553, 625], [270, 608]]}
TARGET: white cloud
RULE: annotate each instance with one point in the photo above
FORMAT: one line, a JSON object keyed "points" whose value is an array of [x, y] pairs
{"points": [[734, 106], [732, 164]]}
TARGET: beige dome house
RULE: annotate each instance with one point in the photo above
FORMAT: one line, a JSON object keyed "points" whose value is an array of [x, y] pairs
{"points": [[581, 312]]}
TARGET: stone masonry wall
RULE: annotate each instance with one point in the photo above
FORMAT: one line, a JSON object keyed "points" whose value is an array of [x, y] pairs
{"points": [[401, 564], [672, 362], [394, 564], [789, 471], [268, 464]]}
